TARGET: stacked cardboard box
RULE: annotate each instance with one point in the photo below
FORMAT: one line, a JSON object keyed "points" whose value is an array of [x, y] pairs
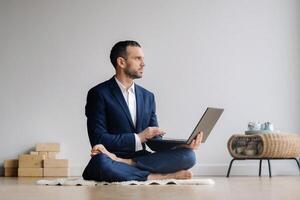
{"points": [[52, 166], [30, 165], [38, 163], [48, 150], [41, 162], [55, 167], [11, 167]]}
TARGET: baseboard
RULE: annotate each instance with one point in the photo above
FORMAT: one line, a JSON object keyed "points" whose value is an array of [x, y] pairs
{"points": [[243, 168], [239, 168], [76, 171]]}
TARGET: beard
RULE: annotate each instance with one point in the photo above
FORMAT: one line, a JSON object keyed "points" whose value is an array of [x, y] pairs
{"points": [[131, 73]]}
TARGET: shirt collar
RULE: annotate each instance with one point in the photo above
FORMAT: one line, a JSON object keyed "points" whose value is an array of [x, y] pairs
{"points": [[123, 88]]}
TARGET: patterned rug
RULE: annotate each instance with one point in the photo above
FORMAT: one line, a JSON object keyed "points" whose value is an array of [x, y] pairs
{"points": [[81, 182]]}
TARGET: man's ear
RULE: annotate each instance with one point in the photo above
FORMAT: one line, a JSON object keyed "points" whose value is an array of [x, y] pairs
{"points": [[121, 62]]}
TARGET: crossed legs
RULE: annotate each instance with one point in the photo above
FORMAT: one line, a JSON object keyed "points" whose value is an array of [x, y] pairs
{"points": [[171, 164]]}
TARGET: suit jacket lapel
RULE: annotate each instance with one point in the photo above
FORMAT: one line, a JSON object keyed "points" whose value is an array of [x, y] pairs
{"points": [[120, 98], [139, 106]]}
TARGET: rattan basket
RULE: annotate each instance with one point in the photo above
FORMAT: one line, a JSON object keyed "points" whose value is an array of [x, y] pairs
{"points": [[272, 145]]}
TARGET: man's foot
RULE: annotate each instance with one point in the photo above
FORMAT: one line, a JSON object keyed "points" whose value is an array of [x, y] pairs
{"points": [[183, 174], [99, 148]]}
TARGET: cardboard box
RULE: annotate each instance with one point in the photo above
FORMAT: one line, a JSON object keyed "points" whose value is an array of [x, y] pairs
{"points": [[52, 155], [31, 161], [30, 172], [56, 171], [47, 154], [14, 163], [57, 163], [43, 153], [11, 171], [48, 147], [34, 153]]}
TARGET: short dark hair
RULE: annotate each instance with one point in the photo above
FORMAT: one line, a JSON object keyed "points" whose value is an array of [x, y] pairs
{"points": [[119, 50]]}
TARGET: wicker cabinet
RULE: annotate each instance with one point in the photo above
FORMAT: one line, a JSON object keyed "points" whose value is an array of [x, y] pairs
{"points": [[264, 147]]}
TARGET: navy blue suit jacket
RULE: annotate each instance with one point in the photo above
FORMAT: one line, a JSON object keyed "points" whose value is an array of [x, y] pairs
{"points": [[109, 121]]}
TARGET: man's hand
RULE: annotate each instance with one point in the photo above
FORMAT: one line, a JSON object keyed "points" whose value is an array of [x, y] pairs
{"points": [[195, 143], [149, 133]]}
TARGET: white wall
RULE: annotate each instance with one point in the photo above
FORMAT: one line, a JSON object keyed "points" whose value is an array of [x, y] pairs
{"points": [[237, 54]]}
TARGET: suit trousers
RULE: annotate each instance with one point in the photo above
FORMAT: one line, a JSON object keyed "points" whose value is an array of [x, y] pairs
{"points": [[103, 168]]}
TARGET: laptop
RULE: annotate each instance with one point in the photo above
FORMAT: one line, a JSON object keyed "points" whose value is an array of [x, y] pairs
{"points": [[205, 124]]}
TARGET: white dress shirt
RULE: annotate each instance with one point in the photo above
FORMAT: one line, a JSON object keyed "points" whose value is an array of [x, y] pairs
{"points": [[129, 96]]}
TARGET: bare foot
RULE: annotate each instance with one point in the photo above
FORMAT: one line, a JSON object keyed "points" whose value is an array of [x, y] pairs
{"points": [[99, 148], [183, 174]]}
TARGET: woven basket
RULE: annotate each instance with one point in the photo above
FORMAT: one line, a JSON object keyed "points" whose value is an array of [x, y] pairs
{"points": [[272, 145]]}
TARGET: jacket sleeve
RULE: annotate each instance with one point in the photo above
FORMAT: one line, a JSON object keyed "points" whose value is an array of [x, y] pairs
{"points": [[153, 119], [153, 122], [95, 111]]}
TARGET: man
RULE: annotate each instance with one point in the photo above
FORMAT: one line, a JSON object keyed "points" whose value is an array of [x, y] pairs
{"points": [[121, 117]]}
